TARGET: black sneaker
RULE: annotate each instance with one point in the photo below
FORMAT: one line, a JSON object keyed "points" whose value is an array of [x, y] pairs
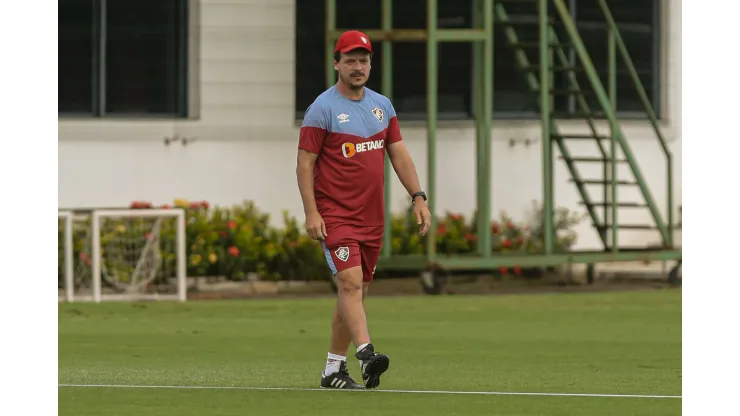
{"points": [[339, 380], [373, 365]]}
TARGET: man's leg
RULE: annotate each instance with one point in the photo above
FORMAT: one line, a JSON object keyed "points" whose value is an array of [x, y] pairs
{"points": [[341, 338], [373, 364], [344, 260]]}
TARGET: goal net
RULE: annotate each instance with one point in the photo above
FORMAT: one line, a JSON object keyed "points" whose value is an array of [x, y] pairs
{"points": [[127, 254]]}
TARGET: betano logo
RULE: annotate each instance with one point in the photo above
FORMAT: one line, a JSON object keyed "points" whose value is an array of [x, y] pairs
{"points": [[351, 149]]}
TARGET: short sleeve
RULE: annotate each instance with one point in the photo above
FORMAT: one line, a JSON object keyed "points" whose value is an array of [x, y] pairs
{"points": [[314, 129], [394, 130]]}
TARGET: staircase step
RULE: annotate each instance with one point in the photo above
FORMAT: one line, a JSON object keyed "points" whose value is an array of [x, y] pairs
{"points": [[566, 91], [534, 44], [619, 204], [579, 136], [526, 19], [602, 182], [593, 159], [536, 68], [578, 115], [626, 227], [636, 249]]}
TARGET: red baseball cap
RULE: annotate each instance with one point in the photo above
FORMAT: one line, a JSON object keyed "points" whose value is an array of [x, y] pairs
{"points": [[353, 39]]}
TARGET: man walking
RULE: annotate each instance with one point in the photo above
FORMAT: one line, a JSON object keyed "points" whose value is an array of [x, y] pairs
{"points": [[343, 139]]}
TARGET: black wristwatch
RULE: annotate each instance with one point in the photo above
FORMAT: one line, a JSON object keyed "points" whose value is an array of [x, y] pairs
{"points": [[421, 194]]}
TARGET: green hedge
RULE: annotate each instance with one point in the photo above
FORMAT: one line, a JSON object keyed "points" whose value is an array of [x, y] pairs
{"points": [[238, 240]]}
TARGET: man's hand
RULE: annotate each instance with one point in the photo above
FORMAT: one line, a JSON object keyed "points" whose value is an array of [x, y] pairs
{"points": [[423, 216], [315, 226]]}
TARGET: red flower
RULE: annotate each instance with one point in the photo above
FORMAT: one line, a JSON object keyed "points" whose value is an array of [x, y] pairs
{"points": [[441, 229], [224, 234], [471, 237], [231, 224], [85, 258], [494, 228], [456, 217], [517, 271], [507, 243], [140, 204], [204, 204], [166, 206], [233, 251], [503, 270]]}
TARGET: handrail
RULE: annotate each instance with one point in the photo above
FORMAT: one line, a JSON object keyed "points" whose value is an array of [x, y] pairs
{"points": [[614, 31], [665, 229]]}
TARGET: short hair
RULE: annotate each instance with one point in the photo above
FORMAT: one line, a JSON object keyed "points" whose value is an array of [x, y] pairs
{"points": [[338, 54]]}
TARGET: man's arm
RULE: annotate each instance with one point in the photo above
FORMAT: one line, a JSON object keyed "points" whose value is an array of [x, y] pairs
{"points": [[406, 171], [304, 172], [404, 167], [314, 129]]}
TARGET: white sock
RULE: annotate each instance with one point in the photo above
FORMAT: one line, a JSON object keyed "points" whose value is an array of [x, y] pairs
{"points": [[333, 362], [362, 346]]}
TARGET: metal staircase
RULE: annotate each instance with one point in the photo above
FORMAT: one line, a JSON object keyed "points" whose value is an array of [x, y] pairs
{"points": [[562, 37]]}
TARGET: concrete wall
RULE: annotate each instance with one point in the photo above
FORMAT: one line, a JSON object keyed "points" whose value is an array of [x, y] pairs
{"points": [[245, 134]]}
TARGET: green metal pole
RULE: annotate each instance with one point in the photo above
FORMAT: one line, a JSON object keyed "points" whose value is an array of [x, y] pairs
{"points": [[612, 48], [432, 46], [477, 92], [387, 90], [669, 190], [331, 24], [545, 108], [485, 124], [482, 114]]}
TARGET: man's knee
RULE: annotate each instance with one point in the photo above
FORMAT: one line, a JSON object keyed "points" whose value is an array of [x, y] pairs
{"points": [[349, 282]]}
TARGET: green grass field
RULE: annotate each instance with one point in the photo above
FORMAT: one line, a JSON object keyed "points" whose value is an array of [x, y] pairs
{"points": [[606, 343]]}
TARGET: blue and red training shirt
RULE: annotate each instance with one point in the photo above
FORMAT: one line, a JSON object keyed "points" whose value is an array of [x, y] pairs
{"points": [[350, 137]]}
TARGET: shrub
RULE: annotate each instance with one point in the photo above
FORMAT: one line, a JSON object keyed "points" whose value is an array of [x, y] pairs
{"points": [[236, 241]]}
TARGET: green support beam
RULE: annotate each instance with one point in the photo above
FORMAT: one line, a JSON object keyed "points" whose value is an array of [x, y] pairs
{"points": [[432, 86], [546, 103], [387, 90]]}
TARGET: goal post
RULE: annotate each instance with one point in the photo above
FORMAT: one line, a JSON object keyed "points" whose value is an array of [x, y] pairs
{"points": [[68, 253], [124, 255]]}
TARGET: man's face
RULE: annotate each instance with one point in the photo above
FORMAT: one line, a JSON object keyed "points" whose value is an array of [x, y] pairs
{"points": [[354, 68]]}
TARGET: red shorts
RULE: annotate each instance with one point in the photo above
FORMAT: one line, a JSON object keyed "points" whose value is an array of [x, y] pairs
{"points": [[351, 246]]}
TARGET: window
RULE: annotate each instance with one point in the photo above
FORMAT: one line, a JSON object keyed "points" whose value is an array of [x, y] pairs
{"points": [[123, 58], [638, 22]]}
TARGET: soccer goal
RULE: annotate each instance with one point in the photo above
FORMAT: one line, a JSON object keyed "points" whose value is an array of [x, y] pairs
{"points": [[124, 255]]}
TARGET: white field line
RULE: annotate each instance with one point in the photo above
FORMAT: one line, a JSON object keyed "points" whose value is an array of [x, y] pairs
{"points": [[483, 393]]}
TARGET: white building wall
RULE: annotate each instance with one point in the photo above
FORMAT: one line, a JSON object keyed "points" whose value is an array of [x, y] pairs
{"points": [[245, 135]]}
